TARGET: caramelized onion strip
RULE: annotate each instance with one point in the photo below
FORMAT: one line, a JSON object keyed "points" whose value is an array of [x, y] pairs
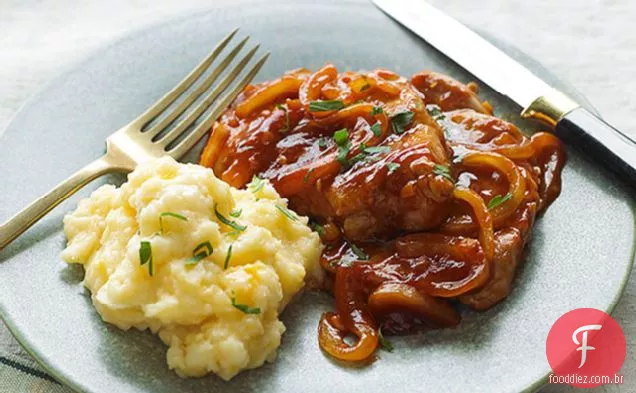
{"points": [[215, 143], [285, 87], [392, 296], [353, 316], [446, 266], [516, 189], [311, 88], [483, 217], [551, 154]]}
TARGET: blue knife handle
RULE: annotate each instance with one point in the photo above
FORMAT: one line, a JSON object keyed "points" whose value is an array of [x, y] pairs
{"points": [[601, 142]]}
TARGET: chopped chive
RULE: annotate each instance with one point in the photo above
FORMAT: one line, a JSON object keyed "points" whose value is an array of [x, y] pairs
{"points": [[200, 252], [376, 129], [401, 120], [376, 149], [145, 252], [384, 343], [341, 137], [317, 228], [170, 214], [284, 108], [245, 308], [322, 143], [195, 259], [206, 246], [498, 200], [435, 112], [145, 255], [343, 152], [376, 111], [227, 257], [307, 175], [359, 252], [236, 213], [366, 153], [443, 170], [291, 215], [256, 184], [232, 224], [392, 167], [356, 158], [324, 106]]}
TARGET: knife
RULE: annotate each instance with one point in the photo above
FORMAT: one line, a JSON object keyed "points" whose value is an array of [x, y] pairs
{"points": [[571, 122]]}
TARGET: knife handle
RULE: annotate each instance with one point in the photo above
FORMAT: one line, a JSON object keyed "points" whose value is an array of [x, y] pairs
{"points": [[600, 141]]}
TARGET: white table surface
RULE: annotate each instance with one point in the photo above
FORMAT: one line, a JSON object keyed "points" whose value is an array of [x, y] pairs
{"points": [[590, 43]]}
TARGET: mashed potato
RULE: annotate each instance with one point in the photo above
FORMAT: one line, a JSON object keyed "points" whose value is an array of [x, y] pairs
{"points": [[220, 264]]}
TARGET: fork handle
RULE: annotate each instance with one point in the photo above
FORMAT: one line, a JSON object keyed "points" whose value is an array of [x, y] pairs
{"points": [[38, 208]]}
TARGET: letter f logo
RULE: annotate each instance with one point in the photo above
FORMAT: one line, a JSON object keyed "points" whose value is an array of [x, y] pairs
{"points": [[583, 344]]}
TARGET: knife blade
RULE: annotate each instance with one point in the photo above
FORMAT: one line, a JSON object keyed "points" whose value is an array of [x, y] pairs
{"points": [[540, 101]]}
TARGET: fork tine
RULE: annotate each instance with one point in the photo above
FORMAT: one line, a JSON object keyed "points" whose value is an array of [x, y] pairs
{"points": [[176, 91], [183, 146], [208, 81], [207, 101]]}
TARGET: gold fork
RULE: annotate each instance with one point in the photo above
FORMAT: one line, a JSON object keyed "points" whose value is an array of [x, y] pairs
{"points": [[133, 144]]}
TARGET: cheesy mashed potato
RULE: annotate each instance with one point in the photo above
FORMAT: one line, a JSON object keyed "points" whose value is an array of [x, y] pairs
{"points": [[205, 266]]}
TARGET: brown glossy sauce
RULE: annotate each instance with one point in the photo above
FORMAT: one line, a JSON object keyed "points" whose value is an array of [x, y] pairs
{"points": [[426, 201]]}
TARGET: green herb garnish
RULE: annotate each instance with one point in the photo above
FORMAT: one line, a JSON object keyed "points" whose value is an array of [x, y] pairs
{"points": [[377, 129], [435, 112], [317, 228], [343, 152], [245, 308], [256, 184], [322, 143], [392, 167], [341, 136], [359, 252], [284, 108], [307, 175], [205, 247], [195, 259], [327, 105], [376, 111], [201, 251], [291, 215], [498, 200], [376, 149], [384, 343], [236, 213], [170, 214], [232, 224], [145, 256], [227, 257], [366, 153], [401, 121], [443, 170]]}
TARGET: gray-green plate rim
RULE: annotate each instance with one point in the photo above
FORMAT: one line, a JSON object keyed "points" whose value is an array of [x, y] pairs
{"points": [[59, 376]]}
